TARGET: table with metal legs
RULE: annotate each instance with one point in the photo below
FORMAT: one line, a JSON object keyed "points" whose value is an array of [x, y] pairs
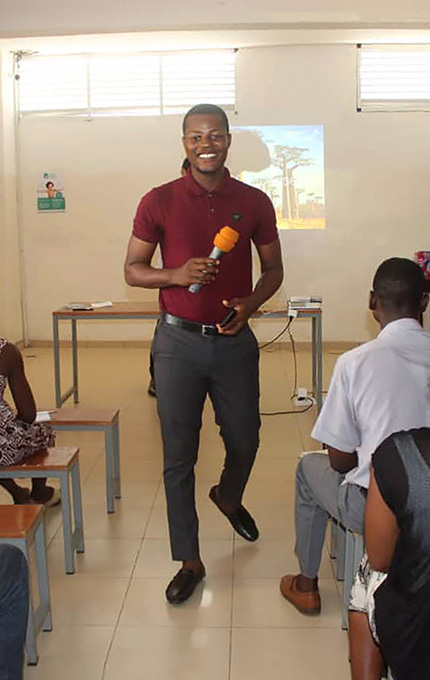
{"points": [[149, 311]]}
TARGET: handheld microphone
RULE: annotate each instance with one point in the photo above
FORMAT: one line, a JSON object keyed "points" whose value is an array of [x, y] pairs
{"points": [[224, 241]]}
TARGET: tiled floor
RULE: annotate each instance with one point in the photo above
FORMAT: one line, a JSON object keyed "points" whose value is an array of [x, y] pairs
{"points": [[111, 620]]}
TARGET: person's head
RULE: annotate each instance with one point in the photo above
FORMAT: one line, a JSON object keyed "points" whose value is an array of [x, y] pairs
{"points": [[398, 291], [184, 167], [206, 138], [49, 185]]}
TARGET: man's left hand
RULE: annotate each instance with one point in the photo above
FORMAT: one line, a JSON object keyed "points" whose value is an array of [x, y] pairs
{"points": [[243, 307]]}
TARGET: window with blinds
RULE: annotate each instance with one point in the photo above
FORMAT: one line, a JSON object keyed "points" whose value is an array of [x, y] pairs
{"points": [[393, 78], [137, 84]]}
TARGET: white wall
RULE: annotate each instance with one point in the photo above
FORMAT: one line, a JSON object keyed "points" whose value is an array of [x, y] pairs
{"points": [[10, 282], [377, 176]]}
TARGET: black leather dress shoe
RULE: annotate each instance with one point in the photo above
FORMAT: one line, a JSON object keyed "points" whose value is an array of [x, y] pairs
{"points": [[183, 585], [241, 521]]}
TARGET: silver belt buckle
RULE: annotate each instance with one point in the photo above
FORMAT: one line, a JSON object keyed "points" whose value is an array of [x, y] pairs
{"points": [[206, 330]]}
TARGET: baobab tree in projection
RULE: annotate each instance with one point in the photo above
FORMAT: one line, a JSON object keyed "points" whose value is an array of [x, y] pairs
{"points": [[288, 159], [287, 163], [267, 185]]}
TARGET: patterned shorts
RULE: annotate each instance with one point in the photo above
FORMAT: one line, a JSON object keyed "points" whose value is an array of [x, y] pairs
{"points": [[362, 592]]}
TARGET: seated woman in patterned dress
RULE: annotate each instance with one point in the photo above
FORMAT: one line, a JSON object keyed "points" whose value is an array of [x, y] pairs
{"points": [[390, 599], [20, 436]]}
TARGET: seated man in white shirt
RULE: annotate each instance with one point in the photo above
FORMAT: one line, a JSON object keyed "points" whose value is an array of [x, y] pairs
{"points": [[376, 389]]}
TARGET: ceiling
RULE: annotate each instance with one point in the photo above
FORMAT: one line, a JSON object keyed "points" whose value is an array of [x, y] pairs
{"points": [[25, 18]]}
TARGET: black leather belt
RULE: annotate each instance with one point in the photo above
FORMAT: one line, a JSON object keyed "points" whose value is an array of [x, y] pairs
{"points": [[192, 326]]}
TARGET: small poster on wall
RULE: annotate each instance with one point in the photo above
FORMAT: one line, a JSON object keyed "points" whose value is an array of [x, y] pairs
{"points": [[50, 193]]}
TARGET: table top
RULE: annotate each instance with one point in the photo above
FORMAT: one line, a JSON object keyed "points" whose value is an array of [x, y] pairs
{"points": [[150, 310], [17, 520], [83, 416]]}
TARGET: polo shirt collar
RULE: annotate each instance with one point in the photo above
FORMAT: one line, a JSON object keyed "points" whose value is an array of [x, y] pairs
{"points": [[196, 189], [399, 326]]}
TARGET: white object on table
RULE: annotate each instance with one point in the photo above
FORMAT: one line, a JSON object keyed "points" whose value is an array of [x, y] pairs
{"points": [[43, 416]]}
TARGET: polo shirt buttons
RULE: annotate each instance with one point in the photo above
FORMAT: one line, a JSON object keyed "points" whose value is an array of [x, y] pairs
{"points": [[211, 208]]}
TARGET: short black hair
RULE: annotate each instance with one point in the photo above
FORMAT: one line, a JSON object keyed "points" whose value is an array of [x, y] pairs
{"points": [[209, 109], [399, 284]]}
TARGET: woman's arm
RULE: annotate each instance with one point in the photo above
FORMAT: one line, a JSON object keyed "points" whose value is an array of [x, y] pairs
{"points": [[21, 391], [380, 528]]}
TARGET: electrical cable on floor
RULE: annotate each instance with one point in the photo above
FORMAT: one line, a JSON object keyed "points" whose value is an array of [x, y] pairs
{"points": [[293, 346], [287, 413]]}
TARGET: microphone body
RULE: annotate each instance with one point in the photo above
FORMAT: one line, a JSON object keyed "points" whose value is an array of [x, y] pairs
{"points": [[214, 255], [224, 241]]}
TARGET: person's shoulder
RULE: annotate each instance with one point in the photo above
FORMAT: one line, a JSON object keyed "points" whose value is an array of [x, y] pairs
{"points": [[173, 185], [10, 353], [353, 355], [159, 197], [247, 190]]}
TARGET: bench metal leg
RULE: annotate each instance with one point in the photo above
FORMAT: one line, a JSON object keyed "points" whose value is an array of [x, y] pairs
{"points": [[69, 557], [353, 553], [341, 547], [42, 571], [333, 538], [116, 460], [78, 536]]}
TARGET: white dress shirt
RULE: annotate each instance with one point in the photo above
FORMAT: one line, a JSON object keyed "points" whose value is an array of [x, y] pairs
{"points": [[377, 389]]}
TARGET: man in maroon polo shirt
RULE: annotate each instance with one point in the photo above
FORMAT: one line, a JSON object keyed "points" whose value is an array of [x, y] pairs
{"points": [[196, 350]]}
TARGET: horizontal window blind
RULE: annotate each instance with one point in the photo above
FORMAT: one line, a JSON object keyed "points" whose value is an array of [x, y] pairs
{"points": [[53, 84], [393, 78], [137, 84], [192, 78]]}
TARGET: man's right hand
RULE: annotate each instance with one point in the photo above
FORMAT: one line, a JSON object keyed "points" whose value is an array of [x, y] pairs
{"points": [[200, 270]]}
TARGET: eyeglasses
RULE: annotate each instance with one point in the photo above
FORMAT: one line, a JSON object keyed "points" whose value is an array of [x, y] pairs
{"points": [[193, 138]]}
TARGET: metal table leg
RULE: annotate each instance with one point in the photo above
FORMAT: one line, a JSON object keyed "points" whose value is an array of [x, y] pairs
{"points": [[75, 361], [116, 460], [110, 465], [57, 375], [317, 359]]}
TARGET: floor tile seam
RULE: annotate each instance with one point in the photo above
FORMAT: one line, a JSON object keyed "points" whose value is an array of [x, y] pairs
{"points": [[83, 625], [117, 623], [162, 626], [289, 627], [80, 576]]}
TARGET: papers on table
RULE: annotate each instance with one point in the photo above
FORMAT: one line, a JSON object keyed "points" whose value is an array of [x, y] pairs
{"points": [[88, 306], [43, 416]]}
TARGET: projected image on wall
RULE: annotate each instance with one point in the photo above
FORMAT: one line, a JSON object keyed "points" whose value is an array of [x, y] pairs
{"points": [[287, 163]]}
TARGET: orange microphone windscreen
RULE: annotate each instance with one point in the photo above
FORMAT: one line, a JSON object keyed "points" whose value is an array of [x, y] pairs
{"points": [[226, 239]]}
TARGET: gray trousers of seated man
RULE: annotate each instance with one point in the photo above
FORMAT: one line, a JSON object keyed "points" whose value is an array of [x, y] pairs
{"points": [[188, 368], [320, 494]]}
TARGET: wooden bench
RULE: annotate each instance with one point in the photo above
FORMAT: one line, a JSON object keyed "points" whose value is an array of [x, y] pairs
{"points": [[107, 421], [22, 525], [62, 463]]}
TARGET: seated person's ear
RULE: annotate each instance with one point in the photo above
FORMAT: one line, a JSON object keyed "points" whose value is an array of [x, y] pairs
{"points": [[372, 301], [424, 302]]}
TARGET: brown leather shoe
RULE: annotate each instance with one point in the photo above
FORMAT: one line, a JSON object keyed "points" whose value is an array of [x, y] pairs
{"points": [[306, 603]]}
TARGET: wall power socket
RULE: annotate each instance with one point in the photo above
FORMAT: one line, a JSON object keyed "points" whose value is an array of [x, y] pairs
{"points": [[302, 394]]}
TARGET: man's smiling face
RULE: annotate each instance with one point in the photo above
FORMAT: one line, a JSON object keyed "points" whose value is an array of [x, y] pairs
{"points": [[206, 143]]}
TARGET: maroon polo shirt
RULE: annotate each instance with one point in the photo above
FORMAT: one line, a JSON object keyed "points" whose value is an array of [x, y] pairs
{"points": [[183, 218]]}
